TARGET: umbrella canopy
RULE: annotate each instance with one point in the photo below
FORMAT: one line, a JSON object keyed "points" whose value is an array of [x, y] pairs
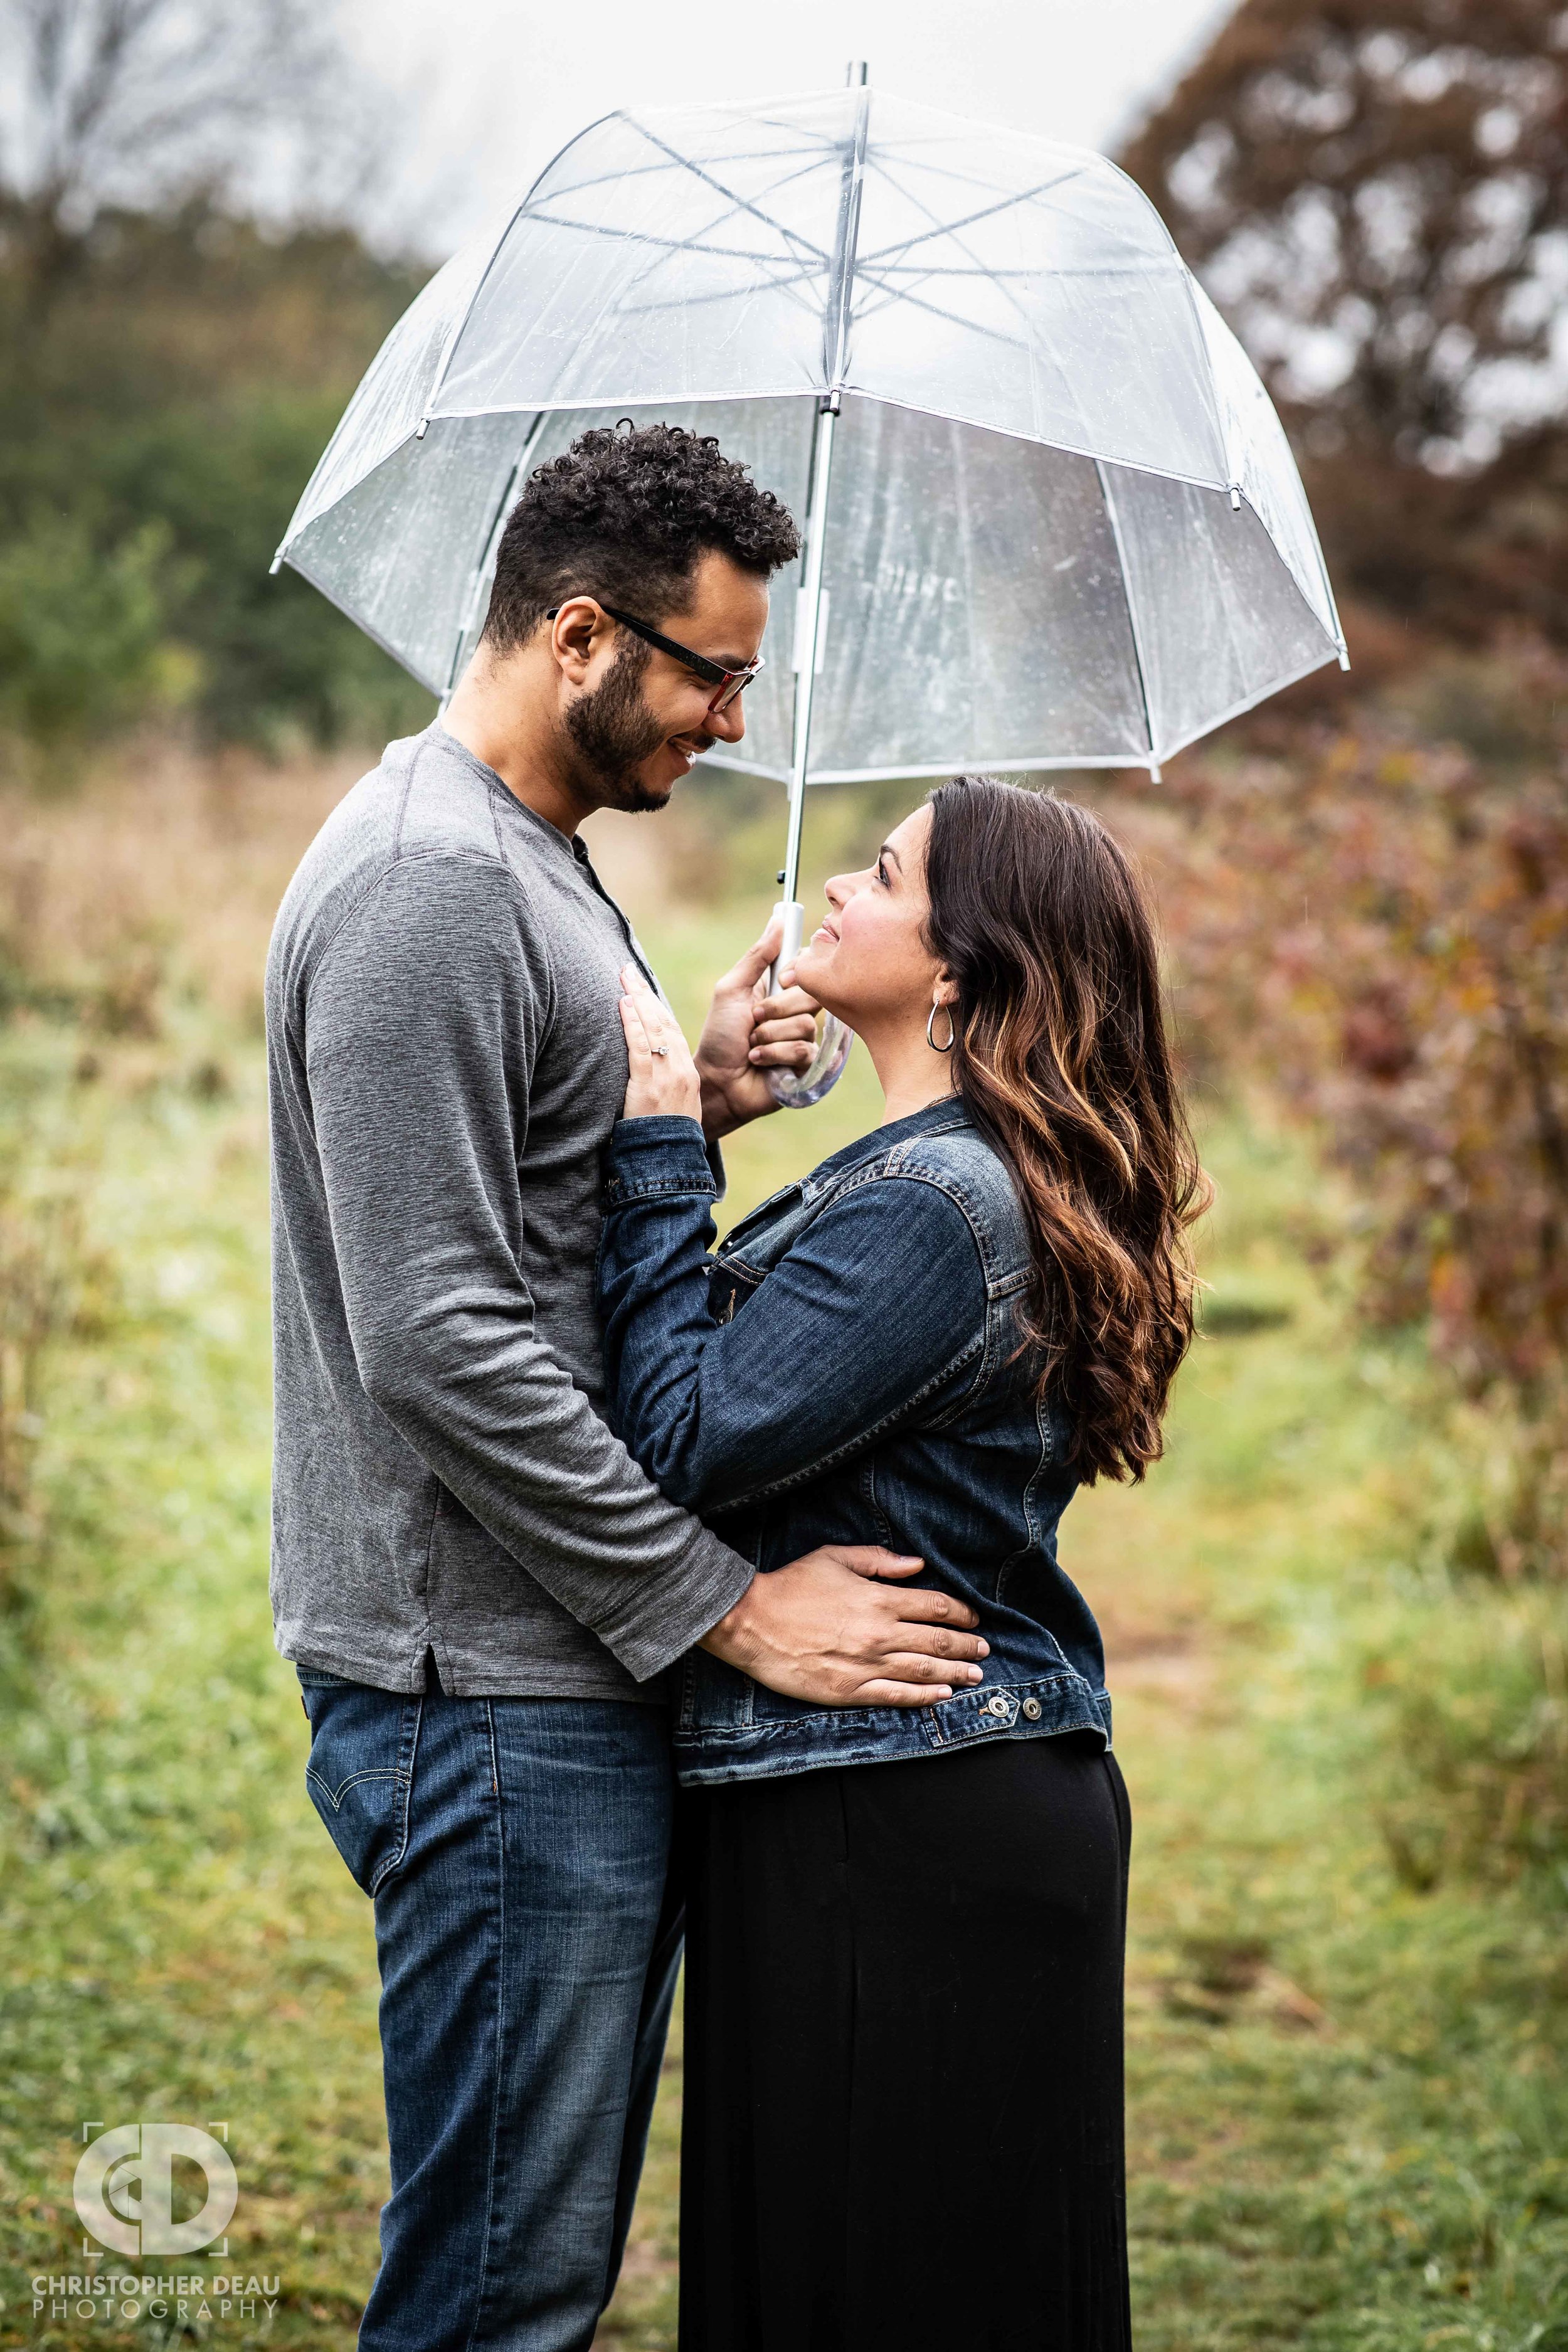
{"points": [[1064, 529]]}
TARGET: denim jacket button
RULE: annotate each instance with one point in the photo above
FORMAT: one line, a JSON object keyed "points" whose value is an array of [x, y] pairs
{"points": [[998, 1706], [1032, 1709]]}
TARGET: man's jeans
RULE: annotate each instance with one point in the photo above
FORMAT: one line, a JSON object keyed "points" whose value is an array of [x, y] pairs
{"points": [[517, 1850]]}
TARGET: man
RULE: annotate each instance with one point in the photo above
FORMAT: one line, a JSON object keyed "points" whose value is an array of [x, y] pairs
{"points": [[479, 1588]]}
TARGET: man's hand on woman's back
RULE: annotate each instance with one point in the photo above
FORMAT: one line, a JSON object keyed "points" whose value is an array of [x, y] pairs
{"points": [[826, 1629]]}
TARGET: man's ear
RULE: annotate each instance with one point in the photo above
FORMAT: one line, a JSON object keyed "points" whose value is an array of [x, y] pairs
{"points": [[574, 633]]}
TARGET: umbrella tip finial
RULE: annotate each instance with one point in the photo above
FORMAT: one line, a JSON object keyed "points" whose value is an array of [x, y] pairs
{"points": [[859, 73]]}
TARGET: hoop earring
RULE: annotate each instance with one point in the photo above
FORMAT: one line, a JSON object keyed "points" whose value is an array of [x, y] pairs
{"points": [[937, 1006]]}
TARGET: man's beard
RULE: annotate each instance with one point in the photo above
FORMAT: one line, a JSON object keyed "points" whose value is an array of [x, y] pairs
{"points": [[613, 731]]}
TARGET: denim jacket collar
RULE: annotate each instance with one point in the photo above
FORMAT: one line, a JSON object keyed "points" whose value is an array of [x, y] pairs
{"points": [[935, 1118], [753, 1245]]}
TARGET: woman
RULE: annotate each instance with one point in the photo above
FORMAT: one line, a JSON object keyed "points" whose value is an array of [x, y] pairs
{"points": [[903, 2102]]}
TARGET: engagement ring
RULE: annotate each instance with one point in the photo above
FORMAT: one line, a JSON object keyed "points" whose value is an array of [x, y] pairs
{"points": [[658, 1049]]}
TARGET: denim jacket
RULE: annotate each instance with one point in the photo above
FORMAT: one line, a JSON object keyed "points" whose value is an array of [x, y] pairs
{"points": [[847, 1368]]}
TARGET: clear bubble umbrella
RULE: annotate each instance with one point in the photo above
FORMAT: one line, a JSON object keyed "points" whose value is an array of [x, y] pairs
{"points": [[1050, 518]]}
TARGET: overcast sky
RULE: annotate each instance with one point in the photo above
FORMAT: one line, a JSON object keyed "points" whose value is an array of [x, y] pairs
{"points": [[490, 90]]}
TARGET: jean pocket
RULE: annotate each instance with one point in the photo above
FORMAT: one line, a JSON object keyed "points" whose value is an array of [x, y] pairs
{"points": [[360, 1773]]}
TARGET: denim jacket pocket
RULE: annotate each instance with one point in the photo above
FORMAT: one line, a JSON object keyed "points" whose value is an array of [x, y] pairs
{"points": [[713, 1696], [360, 1773]]}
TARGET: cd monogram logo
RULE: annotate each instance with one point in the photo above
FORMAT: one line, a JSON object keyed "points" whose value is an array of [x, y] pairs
{"points": [[124, 2189]]}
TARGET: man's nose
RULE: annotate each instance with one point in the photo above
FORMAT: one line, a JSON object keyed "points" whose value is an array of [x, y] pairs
{"points": [[728, 725]]}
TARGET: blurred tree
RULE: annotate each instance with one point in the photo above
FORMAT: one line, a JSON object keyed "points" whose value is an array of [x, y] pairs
{"points": [[139, 102], [1377, 928], [170, 370], [1377, 192]]}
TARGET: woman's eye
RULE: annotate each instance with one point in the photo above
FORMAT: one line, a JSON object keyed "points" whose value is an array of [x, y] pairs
{"points": [[882, 876]]}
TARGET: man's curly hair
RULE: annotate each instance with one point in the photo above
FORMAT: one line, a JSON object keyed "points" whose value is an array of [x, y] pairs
{"points": [[624, 516]]}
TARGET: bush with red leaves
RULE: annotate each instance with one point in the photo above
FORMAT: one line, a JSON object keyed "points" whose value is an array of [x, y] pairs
{"points": [[1378, 925]]}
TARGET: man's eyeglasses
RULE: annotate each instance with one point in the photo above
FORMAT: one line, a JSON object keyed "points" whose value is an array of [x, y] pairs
{"points": [[729, 683]]}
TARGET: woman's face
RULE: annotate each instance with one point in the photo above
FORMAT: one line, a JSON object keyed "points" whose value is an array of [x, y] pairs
{"points": [[867, 960]]}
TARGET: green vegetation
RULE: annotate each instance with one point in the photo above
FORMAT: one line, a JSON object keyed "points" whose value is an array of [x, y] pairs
{"points": [[1347, 2099], [164, 412]]}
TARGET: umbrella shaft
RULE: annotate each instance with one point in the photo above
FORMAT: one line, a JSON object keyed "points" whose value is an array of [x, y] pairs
{"points": [[836, 325], [807, 639]]}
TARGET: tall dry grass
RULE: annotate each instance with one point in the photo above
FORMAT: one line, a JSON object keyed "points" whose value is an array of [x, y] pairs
{"points": [[149, 885], [161, 869]]}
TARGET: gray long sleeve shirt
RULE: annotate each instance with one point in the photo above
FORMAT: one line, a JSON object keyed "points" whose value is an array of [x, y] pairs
{"points": [[445, 1063]]}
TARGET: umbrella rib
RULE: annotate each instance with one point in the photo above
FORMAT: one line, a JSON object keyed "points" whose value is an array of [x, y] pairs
{"points": [[949, 228], [460, 328], [773, 190], [927, 269], [487, 549], [909, 153], [791, 257], [775, 262], [1114, 520], [1088, 269], [784, 285], [817, 152], [935, 310], [675, 244], [893, 295], [910, 196], [813, 161], [763, 261], [814, 156], [742, 203], [685, 245]]}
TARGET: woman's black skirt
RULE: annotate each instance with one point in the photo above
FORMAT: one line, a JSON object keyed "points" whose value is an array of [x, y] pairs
{"points": [[903, 2113]]}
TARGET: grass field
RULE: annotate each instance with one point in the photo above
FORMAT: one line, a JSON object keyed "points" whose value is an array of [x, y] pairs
{"points": [[1349, 2125]]}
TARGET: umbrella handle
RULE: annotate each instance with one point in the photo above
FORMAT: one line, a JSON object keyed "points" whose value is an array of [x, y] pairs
{"points": [[798, 1089]]}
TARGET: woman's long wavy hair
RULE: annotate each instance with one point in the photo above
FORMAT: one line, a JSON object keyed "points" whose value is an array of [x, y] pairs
{"points": [[1060, 1054]]}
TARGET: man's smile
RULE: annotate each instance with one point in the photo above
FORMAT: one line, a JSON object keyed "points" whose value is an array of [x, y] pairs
{"points": [[690, 747]]}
